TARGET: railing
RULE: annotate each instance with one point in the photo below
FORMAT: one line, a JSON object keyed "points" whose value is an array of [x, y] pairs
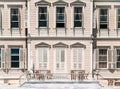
{"points": [[23, 78], [48, 76]]}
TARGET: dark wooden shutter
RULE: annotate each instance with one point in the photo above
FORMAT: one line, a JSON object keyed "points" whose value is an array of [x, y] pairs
{"points": [[3, 58], [109, 59], [8, 58], [97, 58], [114, 58]]}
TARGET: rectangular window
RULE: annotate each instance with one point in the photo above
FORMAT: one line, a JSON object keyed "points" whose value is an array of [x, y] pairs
{"points": [[118, 58], [14, 17], [102, 58], [42, 17], [118, 18], [60, 17], [0, 58], [77, 16], [15, 58], [77, 58], [60, 58], [43, 58], [103, 18]]}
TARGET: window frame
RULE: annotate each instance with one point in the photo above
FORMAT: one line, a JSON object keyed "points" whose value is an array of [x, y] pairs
{"points": [[103, 61], [14, 56], [118, 20], [77, 60], [62, 65], [62, 14], [117, 58], [78, 14], [39, 49], [43, 14], [107, 18], [18, 16]]}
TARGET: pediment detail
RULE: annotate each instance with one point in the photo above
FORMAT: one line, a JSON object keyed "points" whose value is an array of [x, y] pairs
{"points": [[60, 44], [77, 2], [43, 2], [77, 45], [42, 44], [60, 2]]}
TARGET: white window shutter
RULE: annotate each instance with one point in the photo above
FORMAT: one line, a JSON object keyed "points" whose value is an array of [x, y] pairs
{"points": [[74, 55], [57, 58], [45, 58], [25, 58], [8, 58], [3, 58], [97, 58], [109, 59], [0, 20], [79, 58], [40, 57], [21, 58], [62, 58]]}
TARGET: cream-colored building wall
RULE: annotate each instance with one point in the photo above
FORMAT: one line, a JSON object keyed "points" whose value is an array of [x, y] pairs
{"points": [[112, 13], [52, 18], [86, 60], [6, 31]]}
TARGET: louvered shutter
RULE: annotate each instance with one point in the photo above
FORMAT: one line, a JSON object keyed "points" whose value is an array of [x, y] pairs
{"points": [[57, 58], [62, 58], [114, 58], [19, 18], [97, 58], [21, 58], [74, 58], [109, 59], [40, 57], [8, 58], [45, 58], [3, 58], [79, 58]]}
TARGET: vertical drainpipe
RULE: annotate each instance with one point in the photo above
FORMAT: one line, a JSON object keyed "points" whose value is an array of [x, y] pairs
{"points": [[28, 36], [92, 39]]}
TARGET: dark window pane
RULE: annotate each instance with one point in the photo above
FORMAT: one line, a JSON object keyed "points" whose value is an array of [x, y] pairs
{"points": [[118, 18], [60, 25], [60, 17], [14, 18], [119, 11], [119, 25], [42, 17], [78, 10], [14, 24], [60, 10], [118, 51], [103, 26], [15, 64], [14, 51], [78, 17], [15, 58], [42, 23], [77, 24], [14, 11], [103, 11], [42, 9], [102, 51], [118, 64], [103, 18]]}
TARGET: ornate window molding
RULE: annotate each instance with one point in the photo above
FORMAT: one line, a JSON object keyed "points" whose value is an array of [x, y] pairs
{"points": [[60, 44], [77, 3], [42, 2], [42, 44], [60, 2], [77, 45]]}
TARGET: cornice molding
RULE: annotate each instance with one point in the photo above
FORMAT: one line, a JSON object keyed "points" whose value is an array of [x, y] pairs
{"points": [[77, 45], [42, 2], [42, 44], [106, 0], [77, 3], [60, 2]]}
